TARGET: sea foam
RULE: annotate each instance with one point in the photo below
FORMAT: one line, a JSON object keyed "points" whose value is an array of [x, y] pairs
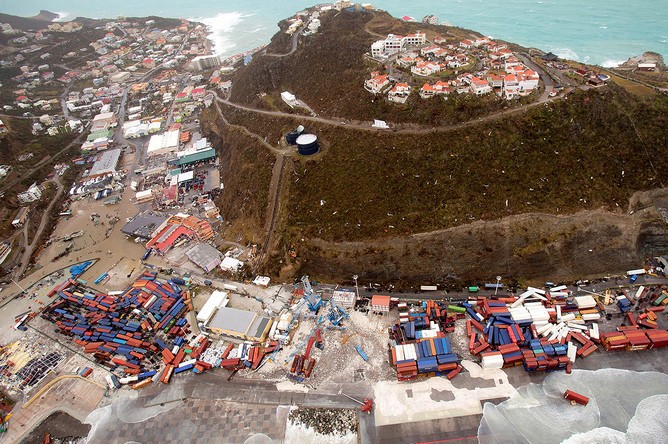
{"points": [[221, 31], [61, 16]]}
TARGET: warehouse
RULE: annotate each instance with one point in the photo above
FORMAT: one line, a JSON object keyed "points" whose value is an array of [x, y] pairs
{"points": [[144, 224], [164, 143], [240, 324], [105, 164], [187, 158], [204, 256]]}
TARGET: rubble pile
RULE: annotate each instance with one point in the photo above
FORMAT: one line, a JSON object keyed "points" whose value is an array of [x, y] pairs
{"points": [[326, 421]]}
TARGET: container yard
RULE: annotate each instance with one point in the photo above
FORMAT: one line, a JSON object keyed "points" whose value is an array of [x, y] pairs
{"points": [[539, 329]]}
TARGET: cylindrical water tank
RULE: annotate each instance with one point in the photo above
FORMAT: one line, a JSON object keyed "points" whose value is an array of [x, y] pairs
{"points": [[307, 144], [291, 138]]}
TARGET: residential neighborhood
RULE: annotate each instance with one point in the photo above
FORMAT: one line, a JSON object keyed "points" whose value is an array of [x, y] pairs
{"points": [[478, 66]]}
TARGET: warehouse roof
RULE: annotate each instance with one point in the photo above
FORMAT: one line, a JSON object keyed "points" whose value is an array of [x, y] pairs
{"points": [[380, 301], [240, 322], [204, 256], [187, 157], [143, 224], [106, 163]]}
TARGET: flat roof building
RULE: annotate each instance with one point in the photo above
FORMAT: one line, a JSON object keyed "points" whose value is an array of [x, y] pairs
{"points": [[240, 324], [144, 224], [164, 143], [204, 256], [106, 163]]}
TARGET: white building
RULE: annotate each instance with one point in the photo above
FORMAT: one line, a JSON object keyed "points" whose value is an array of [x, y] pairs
{"points": [[216, 300], [289, 98], [31, 194], [480, 87], [400, 93], [165, 143], [396, 43], [201, 63], [376, 84]]}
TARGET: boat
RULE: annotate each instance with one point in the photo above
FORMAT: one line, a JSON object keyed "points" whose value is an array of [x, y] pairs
{"points": [[74, 235]]}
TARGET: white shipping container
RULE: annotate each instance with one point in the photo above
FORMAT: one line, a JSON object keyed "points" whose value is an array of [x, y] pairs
{"points": [[399, 350], [639, 271]]}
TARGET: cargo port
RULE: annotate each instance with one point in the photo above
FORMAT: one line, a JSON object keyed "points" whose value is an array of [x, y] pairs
{"points": [[143, 315]]}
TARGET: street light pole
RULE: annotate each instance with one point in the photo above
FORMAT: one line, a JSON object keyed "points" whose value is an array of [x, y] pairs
{"points": [[498, 279], [357, 290], [17, 284]]}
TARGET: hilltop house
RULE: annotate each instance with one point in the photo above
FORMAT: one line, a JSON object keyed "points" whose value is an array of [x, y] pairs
{"points": [[376, 83], [394, 44], [400, 93], [426, 68], [480, 87], [437, 88]]}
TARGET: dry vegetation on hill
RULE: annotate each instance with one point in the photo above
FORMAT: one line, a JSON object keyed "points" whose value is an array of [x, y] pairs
{"points": [[368, 198], [328, 73]]}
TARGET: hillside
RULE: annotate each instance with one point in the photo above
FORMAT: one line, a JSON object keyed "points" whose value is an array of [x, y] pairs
{"points": [[524, 193], [26, 23], [329, 68]]}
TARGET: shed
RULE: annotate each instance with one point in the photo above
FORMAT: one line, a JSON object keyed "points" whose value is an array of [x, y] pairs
{"points": [[380, 303]]}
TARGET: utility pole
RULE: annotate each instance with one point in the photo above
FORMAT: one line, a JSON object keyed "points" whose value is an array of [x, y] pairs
{"points": [[357, 290], [498, 279]]}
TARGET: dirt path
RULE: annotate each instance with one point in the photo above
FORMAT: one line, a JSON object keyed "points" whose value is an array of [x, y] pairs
{"points": [[423, 130], [274, 199], [30, 247], [276, 178]]}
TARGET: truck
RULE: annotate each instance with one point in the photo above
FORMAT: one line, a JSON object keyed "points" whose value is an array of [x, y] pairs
{"points": [[473, 289], [178, 281], [428, 288], [133, 185], [112, 381]]}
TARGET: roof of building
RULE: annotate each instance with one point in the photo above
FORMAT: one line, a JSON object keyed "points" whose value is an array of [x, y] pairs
{"points": [[204, 256], [185, 177], [164, 240], [106, 163], [194, 156], [166, 140], [380, 301], [103, 116], [143, 224], [240, 322]]}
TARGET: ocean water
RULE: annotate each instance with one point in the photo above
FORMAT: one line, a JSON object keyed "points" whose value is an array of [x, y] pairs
{"points": [[602, 32]]}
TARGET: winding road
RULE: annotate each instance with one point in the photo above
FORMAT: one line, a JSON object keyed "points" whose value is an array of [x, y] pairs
{"points": [[30, 247]]}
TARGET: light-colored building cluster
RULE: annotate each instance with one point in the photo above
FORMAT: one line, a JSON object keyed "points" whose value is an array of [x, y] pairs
{"points": [[502, 72]]}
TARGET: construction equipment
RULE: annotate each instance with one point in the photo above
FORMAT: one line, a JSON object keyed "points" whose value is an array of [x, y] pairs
{"points": [[3, 424], [367, 404], [312, 298], [336, 314]]}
